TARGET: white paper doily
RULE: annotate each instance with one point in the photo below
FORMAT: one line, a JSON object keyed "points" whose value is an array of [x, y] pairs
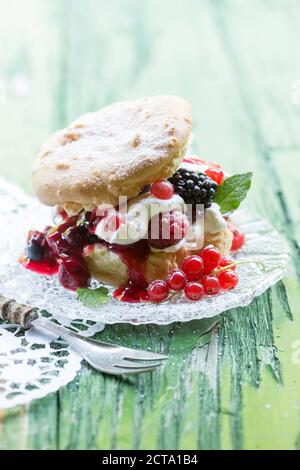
{"points": [[35, 363], [18, 213]]}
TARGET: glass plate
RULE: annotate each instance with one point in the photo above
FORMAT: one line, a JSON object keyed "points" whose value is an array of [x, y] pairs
{"points": [[19, 213]]}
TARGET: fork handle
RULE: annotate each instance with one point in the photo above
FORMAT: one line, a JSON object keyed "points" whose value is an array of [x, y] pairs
{"points": [[16, 313], [58, 330], [74, 339]]}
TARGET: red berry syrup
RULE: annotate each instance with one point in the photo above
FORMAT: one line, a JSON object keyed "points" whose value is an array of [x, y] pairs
{"points": [[46, 267], [39, 258], [63, 251], [134, 257]]}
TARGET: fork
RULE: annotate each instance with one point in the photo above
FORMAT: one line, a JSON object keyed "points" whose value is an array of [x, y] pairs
{"points": [[105, 357]]}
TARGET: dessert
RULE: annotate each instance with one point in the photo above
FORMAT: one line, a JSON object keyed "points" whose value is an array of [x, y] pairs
{"points": [[132, 207]]}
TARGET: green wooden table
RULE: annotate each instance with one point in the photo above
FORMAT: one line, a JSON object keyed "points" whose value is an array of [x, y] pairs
{"points": [[231, 384]]}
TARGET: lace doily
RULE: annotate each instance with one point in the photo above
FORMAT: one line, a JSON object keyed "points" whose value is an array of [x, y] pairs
{"points": [[34, 363], [19, 212]]}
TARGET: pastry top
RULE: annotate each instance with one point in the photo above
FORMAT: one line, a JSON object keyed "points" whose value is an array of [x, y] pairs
{"points": [[113, 152]]}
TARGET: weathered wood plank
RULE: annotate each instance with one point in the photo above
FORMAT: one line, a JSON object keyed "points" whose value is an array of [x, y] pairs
{"points": [[29, 61], [29, 73], [252, 68], [249, 70]]}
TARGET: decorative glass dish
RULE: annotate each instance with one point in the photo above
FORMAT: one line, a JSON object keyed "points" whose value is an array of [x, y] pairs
{"points": [[264, 256]]}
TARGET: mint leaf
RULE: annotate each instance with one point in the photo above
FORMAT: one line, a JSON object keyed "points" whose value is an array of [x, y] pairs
{"points": [[233, 191], [93, 297]]}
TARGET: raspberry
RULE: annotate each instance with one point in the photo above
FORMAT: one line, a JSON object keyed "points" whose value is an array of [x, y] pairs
{"points": [[167, 229], [238, 239], [211, 285], [194, 291], [228, 279], [158, 291], [216, 174], [162, 189], [211, 257], [227, 261], [193, 267], [176, 280]]}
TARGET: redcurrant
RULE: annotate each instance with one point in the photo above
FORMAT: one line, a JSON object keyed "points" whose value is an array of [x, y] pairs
{"points": [[227, 261], [193, 267], [162, 189], [211, 258], [228, 279], [158, 291], [176, 280], [194, 291], [211, 285], [238, 239]]}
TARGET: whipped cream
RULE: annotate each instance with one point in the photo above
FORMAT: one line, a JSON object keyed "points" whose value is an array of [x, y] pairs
{"points": [[136, 218], [140, 210], [213, 220]]}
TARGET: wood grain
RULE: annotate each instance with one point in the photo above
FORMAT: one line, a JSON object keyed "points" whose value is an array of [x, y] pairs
{"points": [[227, 385]]}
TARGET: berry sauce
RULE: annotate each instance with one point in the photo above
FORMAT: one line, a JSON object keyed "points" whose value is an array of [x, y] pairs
{"points": [[39, 257], [131, 293], [45, 267], [134, 257], [62, 251]]}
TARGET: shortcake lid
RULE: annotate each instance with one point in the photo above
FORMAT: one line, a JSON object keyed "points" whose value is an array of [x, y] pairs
{"points": [[115, 151]]}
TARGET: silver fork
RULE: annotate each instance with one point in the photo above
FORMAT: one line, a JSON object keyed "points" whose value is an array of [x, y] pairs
{"points": [[108, 358]]}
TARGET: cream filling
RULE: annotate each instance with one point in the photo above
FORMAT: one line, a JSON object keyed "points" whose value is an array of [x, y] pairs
{"points": [[142, 208], [137, 218], [214, 222]]}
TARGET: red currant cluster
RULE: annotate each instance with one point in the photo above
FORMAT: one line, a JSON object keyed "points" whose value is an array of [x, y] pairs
{"points": [[199, 275]]}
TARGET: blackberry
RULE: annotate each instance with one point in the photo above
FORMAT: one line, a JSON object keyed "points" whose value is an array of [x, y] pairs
{"points": [[193, 187]]}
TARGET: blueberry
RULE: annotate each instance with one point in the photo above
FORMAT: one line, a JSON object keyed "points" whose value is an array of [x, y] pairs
{"points": [[35, 252]]}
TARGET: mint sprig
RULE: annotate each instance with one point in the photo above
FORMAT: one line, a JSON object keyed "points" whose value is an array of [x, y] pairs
{"points": [[233, 191], [93, 297]]}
